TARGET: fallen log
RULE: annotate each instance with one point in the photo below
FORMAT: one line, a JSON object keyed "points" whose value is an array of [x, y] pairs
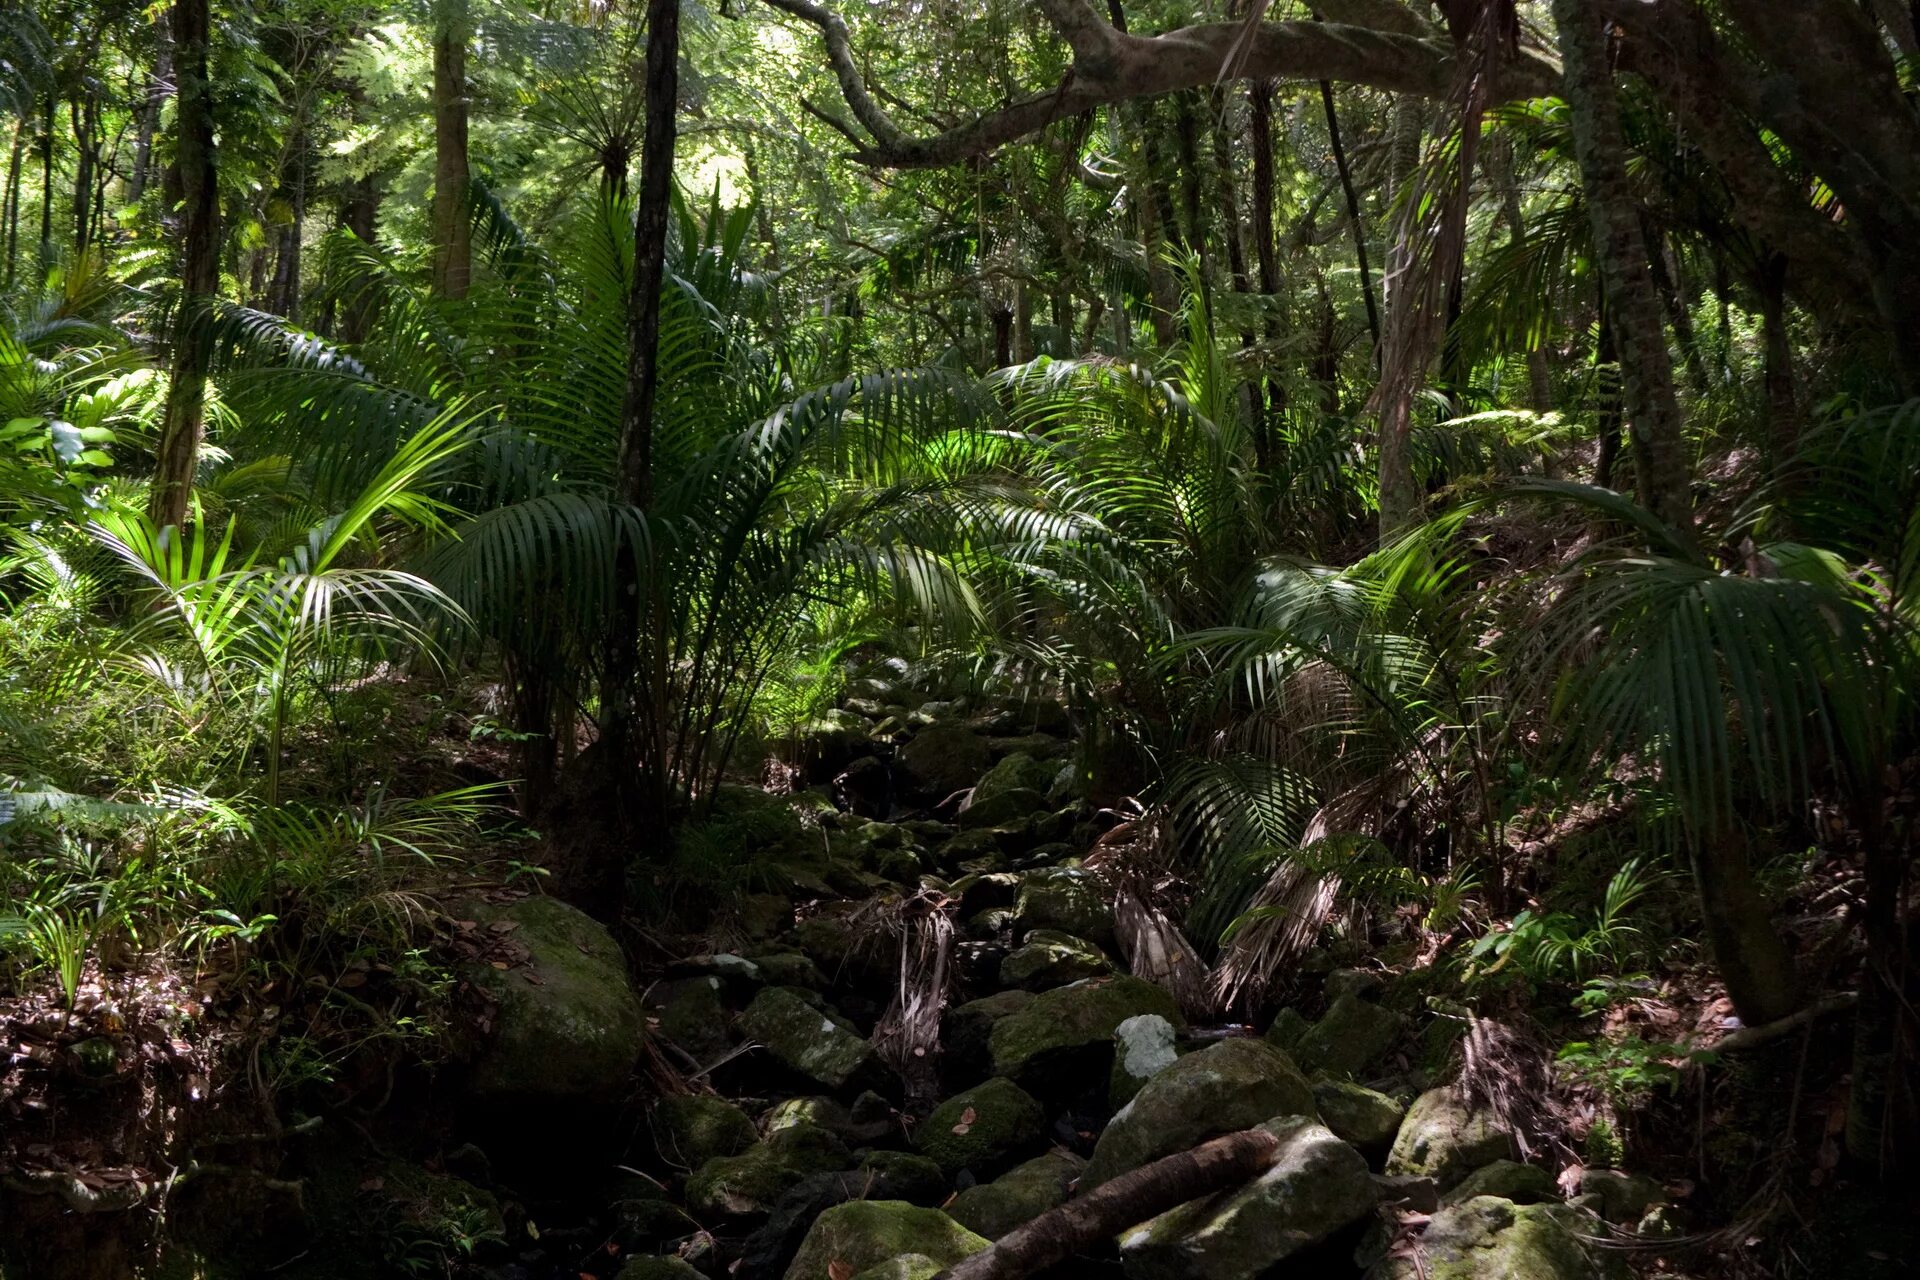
{"points": [[1114, 1206]]}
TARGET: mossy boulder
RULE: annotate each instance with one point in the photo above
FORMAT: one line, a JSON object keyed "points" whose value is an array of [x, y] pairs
{"points": [[1142, 1049], [1288, 1026], [1050, 1043], [1017, 771], [810, 1148], [658, 1269], [790, 969], [1509, 1180], [566, 1025], [852, 1237], [1444, 1139], [966, 1029], [1357, 1114], [1487, 1238], [1004, 811], [1068, 899], [1052, 959], [906, 1176], [1235, 1084], [690, 1130], [1316, 1185], [983, 1129], [742, 1186], [944, 758], [1619, 1196], [908, 1266], [1017, 1196], [806, 1041], [1349, 1038]]}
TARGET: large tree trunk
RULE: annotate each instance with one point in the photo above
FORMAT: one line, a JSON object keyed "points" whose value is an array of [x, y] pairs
{"points": [[182, 423], [1653, 411], [1753, 961], [452, 227]]}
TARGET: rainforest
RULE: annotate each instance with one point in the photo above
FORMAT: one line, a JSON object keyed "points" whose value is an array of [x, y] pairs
{"points": [[959, 639]]}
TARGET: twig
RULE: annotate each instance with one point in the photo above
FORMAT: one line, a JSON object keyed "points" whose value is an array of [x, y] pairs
{"points": [[1750, 1037]]}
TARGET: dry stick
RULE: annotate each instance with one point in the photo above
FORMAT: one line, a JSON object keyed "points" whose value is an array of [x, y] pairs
{"points": [[1114, 1206]]}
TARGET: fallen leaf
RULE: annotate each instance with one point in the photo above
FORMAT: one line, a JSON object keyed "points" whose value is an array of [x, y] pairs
{"points": [[839, 1269], [503, 926], [967, 1118], [500, 964]]}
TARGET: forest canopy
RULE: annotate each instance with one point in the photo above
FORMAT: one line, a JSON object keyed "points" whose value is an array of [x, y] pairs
{"points": [[647, 638]]}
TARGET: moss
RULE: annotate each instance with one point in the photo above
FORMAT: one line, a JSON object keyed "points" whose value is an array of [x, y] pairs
{"points": [[1042, 1043], [981, 1129], [689, 1131], [741, 1186], [860, 1234]]}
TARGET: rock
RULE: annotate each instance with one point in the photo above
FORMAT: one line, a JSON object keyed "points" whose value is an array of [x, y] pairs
{"points": [[1622, 1197], [870, 1118], [1142, 1049], [1487, 1238], [658, 1269], [906, 1176], [982, 1129], [1507, 1179], [742, 1186], [790, 969], [859, 1234], [773, 1244], [690, 1130], [1443, 1139], [1351, 1037], [1070, 899], [965, 1031], [566, 1024], [807, 1041], [1317, 1185], [1063, 1035], [829, 939], [1006, 809], [943, 758], [1234, 1084], [1357, 1114], [810, 1148], [649, 1222], [693, 1016], [1360, 983], [1288, 1026], [1049, 959], [1017, 1196], [1017, 771], [980, 890], [908, 1266]]}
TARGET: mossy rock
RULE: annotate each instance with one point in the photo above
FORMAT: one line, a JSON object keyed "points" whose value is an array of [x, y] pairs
{"points": [[807, 1041], [1509, 1180], [1357, 1114], [1444, 1139], [1288, 1026], [566, 1025], [1002, 811], [944, 758], [1143, 1047], [966, 1029], [982, 1129], [1488, 1238], [658, 1269], [1051, 959], [1316, 1185], [810, 1148], [1349, 1038], [1062, 1034], [860, 1234], [1068, 899], [790, 969], [1235, 1084], [1017, 1196], [742, 1186], [908, 1266], [916, 1179], [690, 1130], [1017, 771]]}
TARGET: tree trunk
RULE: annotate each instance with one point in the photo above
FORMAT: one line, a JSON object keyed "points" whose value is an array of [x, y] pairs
{"points": [[46, 183], [86, 120], [452, 227], [1606, 377], [1753, 962], [1265, 253], [1251, 399], [181, 426], [283, 297], [1500, 168], [1353, 214], [1783, 409], [16, 161], [1653, 411]]}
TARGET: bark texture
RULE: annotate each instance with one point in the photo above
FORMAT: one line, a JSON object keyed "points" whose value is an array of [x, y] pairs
{"points": [[452, 175]]}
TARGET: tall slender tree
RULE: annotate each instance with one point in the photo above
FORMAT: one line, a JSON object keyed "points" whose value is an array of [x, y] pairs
{"points": [[452, 172]]}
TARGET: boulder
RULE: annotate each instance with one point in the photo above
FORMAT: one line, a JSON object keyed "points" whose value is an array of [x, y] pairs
{"points": [[1017, 771], [868, 1120], [742, 1186], [944, 758], [1619, 1196], [1444, 1139], [908, 1266], [1051, 959], [1488, 1238], [790, 969], [807, 1041], [1357, 1114], [1017, 1196], [851, 1237], [965, 1031], [567, 1025], [810, 1148], [1507, 1179], [982, 1129], [1364, 983], [1317, 1185], [1062, 1035], [658, 1269], [773, 1244], [1234, 1084], [1142, 1049], [689, 1130], [1288, 1026], [1002, 811], [1070, 899], [1351, 1037], [906, 1176]]}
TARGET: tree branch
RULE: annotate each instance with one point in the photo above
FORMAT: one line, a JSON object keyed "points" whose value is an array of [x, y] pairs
{"points": [[1111, 66]]}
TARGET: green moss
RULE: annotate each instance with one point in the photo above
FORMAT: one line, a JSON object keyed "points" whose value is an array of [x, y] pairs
{"points": [[861, 1234], [980, 1129]]}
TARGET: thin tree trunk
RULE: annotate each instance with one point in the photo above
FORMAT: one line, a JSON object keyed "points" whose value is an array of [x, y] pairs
{"points": [[1353, 214], [182, 423], [1265, 252], [1676, 308], [157, 90], [1783, 409], [1607, 391], [452, 228], [283, 297], [1653, 411], [46, 183], [1252, 400], [16, 161], [85, 115], [1500, 166]]}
